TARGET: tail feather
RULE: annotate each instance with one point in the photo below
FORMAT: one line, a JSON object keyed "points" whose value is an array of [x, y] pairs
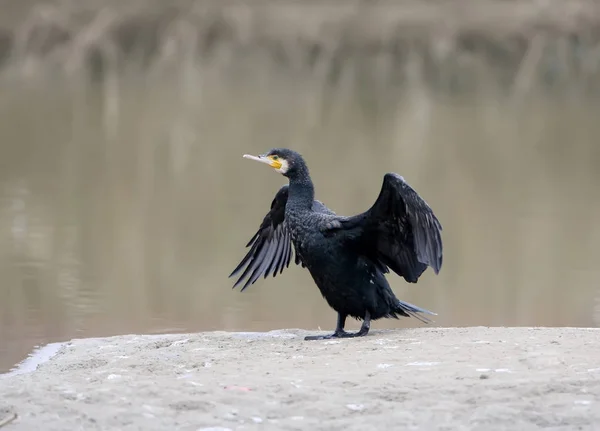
{"points": [[411, 310]]}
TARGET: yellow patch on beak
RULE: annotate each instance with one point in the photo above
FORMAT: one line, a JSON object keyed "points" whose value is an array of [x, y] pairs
{"points": [[276, 164], [280, 165]]}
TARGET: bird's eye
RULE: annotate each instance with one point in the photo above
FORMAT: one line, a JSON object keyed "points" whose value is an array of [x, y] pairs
{"points": [[275, 157]]}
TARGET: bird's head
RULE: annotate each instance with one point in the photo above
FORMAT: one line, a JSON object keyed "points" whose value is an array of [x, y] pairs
{"points": [[284, 161]]}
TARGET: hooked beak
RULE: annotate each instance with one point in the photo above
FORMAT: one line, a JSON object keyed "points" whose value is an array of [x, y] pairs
{"points": [[264, 159]]}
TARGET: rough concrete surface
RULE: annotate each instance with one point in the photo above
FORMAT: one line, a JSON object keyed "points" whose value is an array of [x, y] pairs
{"points": [[431, 379]]}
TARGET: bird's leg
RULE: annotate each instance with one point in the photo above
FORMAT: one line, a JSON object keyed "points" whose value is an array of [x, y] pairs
{"points": [[339, 331], [366, 325], [341, 322]]}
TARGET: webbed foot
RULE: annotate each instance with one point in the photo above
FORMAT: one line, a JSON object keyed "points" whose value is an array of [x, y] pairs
{"points": [[340, 333], [337, 334]]}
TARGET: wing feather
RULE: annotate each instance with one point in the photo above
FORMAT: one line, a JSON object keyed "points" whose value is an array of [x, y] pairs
{"points": [[270, 246], [273, 266], [425, 225], [400, 231]]}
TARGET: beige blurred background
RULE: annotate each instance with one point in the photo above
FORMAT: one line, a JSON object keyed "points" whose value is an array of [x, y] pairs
{"points": [[125, 202]]}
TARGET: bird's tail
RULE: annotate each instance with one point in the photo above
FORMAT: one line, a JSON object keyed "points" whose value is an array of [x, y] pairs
{"points": [[408, 309]]}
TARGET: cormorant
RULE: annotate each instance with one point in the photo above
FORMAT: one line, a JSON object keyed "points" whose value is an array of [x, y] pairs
{"points": [[347, 257]]}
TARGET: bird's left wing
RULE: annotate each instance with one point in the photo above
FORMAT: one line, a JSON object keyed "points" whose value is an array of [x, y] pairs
{"points": [[400, 231], [271, 245]]}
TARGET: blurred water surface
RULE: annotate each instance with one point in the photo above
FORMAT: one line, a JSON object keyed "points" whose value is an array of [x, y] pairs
{"points": [[125, 201]]}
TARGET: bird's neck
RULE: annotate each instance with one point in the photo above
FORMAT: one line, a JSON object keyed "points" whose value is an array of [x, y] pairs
{"points": [[301, 191]]}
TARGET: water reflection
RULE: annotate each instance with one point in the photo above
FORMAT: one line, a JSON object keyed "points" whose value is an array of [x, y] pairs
{"points": [[125, 204]]}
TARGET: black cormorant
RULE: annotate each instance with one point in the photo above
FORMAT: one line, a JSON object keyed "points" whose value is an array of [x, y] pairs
{"points": [[347, 257]]}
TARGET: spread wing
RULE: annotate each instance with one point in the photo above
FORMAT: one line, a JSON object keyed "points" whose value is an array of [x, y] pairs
{"points": [[271, 245], [399, 232]]}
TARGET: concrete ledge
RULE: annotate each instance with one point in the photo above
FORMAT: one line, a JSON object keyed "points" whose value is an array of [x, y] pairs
{"points": [[434, 378]]}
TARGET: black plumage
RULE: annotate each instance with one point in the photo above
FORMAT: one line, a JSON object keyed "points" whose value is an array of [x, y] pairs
{"points": [[347, 257]]}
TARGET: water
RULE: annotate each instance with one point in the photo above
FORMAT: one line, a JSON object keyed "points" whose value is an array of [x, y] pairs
{"points": [[37, 357], [125, 203]]}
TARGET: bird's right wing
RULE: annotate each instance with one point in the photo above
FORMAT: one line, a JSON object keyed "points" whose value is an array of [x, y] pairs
{"points": [[271, 245]]}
